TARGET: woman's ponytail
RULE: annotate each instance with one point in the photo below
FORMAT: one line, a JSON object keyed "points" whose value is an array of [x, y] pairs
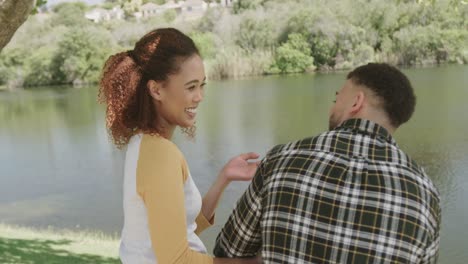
{"points": [[118, 89]]}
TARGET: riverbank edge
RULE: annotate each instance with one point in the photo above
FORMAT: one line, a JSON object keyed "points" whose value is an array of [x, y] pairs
{"points": [[6, 87]]}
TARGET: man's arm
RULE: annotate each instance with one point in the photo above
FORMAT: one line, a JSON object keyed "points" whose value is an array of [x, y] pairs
{"points": [[241, 235]]}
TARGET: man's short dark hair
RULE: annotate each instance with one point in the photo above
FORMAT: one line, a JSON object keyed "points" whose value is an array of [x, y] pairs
{"points": [[390, 85]]}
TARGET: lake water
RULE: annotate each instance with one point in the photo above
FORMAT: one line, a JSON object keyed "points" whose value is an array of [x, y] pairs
{"points": [[58, 167]]}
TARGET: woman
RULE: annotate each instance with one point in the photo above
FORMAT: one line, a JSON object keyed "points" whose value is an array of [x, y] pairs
{"points": [[150, 91]]}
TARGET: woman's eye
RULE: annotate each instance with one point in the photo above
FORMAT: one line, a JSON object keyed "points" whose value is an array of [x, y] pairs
{"points": [[191, 88]]}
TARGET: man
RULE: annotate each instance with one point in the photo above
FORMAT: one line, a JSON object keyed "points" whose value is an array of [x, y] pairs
{"points": [[349, 195]]}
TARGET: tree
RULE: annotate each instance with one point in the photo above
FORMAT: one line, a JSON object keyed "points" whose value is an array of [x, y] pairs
{"points": [[242, 5], [11, 70], [13, 13], [158, 2], [170, 15], [80, 55], [131, 6], [205, 43], [70, 14], [256, 33], [293, 55]]}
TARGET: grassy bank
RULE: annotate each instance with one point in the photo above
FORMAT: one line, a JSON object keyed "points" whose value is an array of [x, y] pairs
{"points": [[31, 246]]}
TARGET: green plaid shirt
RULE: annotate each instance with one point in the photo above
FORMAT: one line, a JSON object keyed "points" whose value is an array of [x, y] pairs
{"points": [[349, 195]]}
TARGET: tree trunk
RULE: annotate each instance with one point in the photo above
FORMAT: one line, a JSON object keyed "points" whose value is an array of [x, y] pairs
{"points": [[13, 13]]}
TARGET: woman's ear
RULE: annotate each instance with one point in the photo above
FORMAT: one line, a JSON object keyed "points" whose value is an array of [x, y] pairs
{"points": [[155, 89]]}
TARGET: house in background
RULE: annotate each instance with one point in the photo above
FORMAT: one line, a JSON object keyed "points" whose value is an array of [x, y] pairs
{"points": [[100, 14], [173, 5], [222, 3], [188, 9], [150, 9], [227, 3], [198, 6], [97, 15], [117, 13], [192, 9]]}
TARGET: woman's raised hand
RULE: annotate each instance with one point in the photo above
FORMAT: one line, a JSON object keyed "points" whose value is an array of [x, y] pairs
{"points": [[241, 167]]}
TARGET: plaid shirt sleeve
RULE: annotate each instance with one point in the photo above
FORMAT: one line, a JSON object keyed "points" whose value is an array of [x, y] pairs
{"points": [[241, 235], [431, 254]]}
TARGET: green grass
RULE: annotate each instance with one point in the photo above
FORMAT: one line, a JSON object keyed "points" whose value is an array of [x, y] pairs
{"points": [[50, 246]]}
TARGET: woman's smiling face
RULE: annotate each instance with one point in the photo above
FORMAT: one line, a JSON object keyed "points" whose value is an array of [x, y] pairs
{"points": [[177, 98]]}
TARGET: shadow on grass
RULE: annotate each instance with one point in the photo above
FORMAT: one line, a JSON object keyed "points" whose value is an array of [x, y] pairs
{"points": [[22, 251]]}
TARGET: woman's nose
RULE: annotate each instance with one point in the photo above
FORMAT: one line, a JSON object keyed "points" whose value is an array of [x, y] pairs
{"points": [[199, 95]]}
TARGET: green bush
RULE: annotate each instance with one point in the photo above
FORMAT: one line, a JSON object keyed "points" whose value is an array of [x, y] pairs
{"points": [[324, 50], [293, 56], [416, 45], [5, 73], [80, 56], [11, 66], [255, 34], [233, 62], [70, 14], [205, 43], [243, 5], [360, 55], [209, 21], [39, 72], [170, 16], [158, 2], [302, 22], [453, 46]]}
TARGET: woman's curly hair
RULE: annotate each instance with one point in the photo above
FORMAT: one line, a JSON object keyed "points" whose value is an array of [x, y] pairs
{"points": [[123, 85]]}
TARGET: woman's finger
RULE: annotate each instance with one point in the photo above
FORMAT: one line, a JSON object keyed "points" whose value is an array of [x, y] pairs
{"points": [[249, 155]]}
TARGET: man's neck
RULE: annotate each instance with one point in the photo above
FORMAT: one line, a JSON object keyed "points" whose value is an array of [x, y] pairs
{"points": [[381, 121]]}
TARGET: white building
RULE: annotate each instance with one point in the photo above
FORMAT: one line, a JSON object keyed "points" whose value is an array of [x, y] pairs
{"points": [[227, 3], [222, 3], [197, 6], [100, 14], [117, 13], [150, 9], [97, 15], [173, 5], [193, 9]]}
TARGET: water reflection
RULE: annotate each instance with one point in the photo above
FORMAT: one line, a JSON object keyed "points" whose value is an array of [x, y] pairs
{"points": [[56, 161], [57, 166]]}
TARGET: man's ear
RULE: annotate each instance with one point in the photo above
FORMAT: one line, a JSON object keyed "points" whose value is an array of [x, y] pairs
{"points": [[155, 89], [358, 103]]}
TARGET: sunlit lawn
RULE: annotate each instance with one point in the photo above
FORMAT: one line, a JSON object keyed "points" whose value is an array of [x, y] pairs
{"points": [[28, 246]]}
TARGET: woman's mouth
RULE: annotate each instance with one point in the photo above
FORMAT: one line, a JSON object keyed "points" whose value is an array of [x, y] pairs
{"points": [[192, 111]]}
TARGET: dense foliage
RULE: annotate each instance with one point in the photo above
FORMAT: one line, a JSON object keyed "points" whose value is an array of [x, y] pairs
{"points": [[253, 37]]}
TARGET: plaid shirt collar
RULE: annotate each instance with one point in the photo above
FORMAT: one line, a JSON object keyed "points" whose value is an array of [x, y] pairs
{"points": [[367, 127]]}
